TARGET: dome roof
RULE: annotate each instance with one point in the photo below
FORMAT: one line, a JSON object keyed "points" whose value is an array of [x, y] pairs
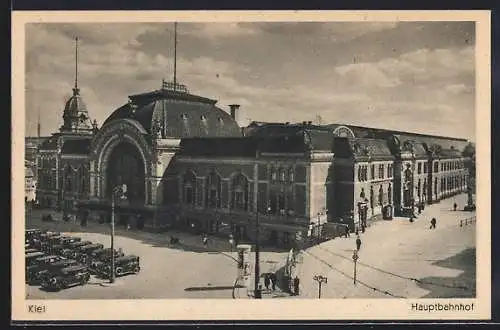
{"points": [[76, 116], [75, 105], [187, 115]]}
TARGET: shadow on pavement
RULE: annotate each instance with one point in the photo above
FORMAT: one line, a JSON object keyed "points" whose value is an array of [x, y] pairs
{"points": [[213, 288], [187, 241], [462, 286]]}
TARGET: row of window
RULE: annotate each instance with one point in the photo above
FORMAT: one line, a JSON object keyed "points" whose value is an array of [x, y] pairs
{"points": [[382, 197], [282, 174], [421, 167], [363, 172], [239, 192], [451, 165]]}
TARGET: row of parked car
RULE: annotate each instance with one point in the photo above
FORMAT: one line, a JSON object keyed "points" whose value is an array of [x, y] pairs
{"points": [[56, 261]]}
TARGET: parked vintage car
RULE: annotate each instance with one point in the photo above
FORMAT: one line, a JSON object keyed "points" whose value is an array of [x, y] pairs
{"points": [[105, 254], [75, 247], [31, 257], [124, 265], [42, 242], [45, 274], [31, 234], [83, 253], [58, 244], [39, 264], [66, 277], [30, 250], [99, 257]]}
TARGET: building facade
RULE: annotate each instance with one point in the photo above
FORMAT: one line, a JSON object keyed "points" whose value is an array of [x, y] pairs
{"points": [[189, 164]]}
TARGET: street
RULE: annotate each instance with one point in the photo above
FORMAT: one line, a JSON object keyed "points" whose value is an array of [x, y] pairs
{"points": [[397, 259]]}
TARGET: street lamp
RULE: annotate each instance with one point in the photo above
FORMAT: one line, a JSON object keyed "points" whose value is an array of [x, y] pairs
{"points": [[121, 191]]}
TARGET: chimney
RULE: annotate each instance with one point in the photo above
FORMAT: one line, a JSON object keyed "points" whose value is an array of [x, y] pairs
{"points": [[234, 109]]}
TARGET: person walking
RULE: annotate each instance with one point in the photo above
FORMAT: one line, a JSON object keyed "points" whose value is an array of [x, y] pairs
{"points": [[205, 240], [274, 280], [433, 223], [454, 206], [296, 283], [267, 281], [358, 243]]}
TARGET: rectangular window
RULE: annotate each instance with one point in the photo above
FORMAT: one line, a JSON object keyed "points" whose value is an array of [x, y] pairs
{"points": [[419, 168], [425, 167], [389, 171], [372, 172], [381, 171]]}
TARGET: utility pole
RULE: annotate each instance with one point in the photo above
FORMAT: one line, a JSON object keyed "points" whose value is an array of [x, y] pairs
{"points": [[257, 293], [320, 279], [120, 189]]}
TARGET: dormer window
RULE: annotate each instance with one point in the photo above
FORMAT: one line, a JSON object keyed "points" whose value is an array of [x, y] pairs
{"points": [[183, 116], [203, 118]]}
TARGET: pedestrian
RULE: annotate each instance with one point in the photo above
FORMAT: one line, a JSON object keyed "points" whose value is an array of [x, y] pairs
{"points": [[412, 217], [267, 281], [433, 223], [419, 208], [454, 206], [273, 279], [205, 240], [296, 283], [346, 231], [358, 243]]}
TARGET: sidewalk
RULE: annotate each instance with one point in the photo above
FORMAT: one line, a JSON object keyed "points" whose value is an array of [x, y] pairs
{"points": [[398, 247]]}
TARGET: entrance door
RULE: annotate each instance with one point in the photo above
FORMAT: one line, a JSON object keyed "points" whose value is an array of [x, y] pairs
{"points": [[273, 237]]}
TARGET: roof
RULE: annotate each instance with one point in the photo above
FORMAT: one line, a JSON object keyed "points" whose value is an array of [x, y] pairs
{"points": [[427, 139], [361, 148], [50, 143], [28, 173], [295, 141], [187, 115], [76, 147]]}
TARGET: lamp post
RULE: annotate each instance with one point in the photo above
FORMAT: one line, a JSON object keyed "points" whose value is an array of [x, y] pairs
{"points": [[120, 189]]}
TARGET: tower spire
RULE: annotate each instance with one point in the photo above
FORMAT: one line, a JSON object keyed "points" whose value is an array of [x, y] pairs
{"points": [[175, 55], [38, 126], [76, 90]]}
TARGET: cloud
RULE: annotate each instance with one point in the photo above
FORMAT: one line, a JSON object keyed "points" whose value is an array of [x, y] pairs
{"points": [[274, 78], [367, 74], [420, 66]]}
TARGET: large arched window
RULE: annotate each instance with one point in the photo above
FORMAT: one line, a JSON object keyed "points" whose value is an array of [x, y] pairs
{"points": [[239, 195], [189, 186], [83, 178], [68, 178], [213, 190]]}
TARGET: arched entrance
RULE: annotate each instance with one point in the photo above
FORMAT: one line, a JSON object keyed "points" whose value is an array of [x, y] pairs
{"points": [[125, 166]]}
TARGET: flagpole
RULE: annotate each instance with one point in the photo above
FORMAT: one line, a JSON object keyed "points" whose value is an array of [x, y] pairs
{"points": [[175, 56]]}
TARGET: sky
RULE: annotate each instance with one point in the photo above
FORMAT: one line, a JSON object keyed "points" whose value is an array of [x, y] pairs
{"points": [[412, 76]]}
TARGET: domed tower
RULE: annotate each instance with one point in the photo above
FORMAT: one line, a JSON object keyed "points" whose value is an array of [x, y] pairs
{"points": [[76, 117]]}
